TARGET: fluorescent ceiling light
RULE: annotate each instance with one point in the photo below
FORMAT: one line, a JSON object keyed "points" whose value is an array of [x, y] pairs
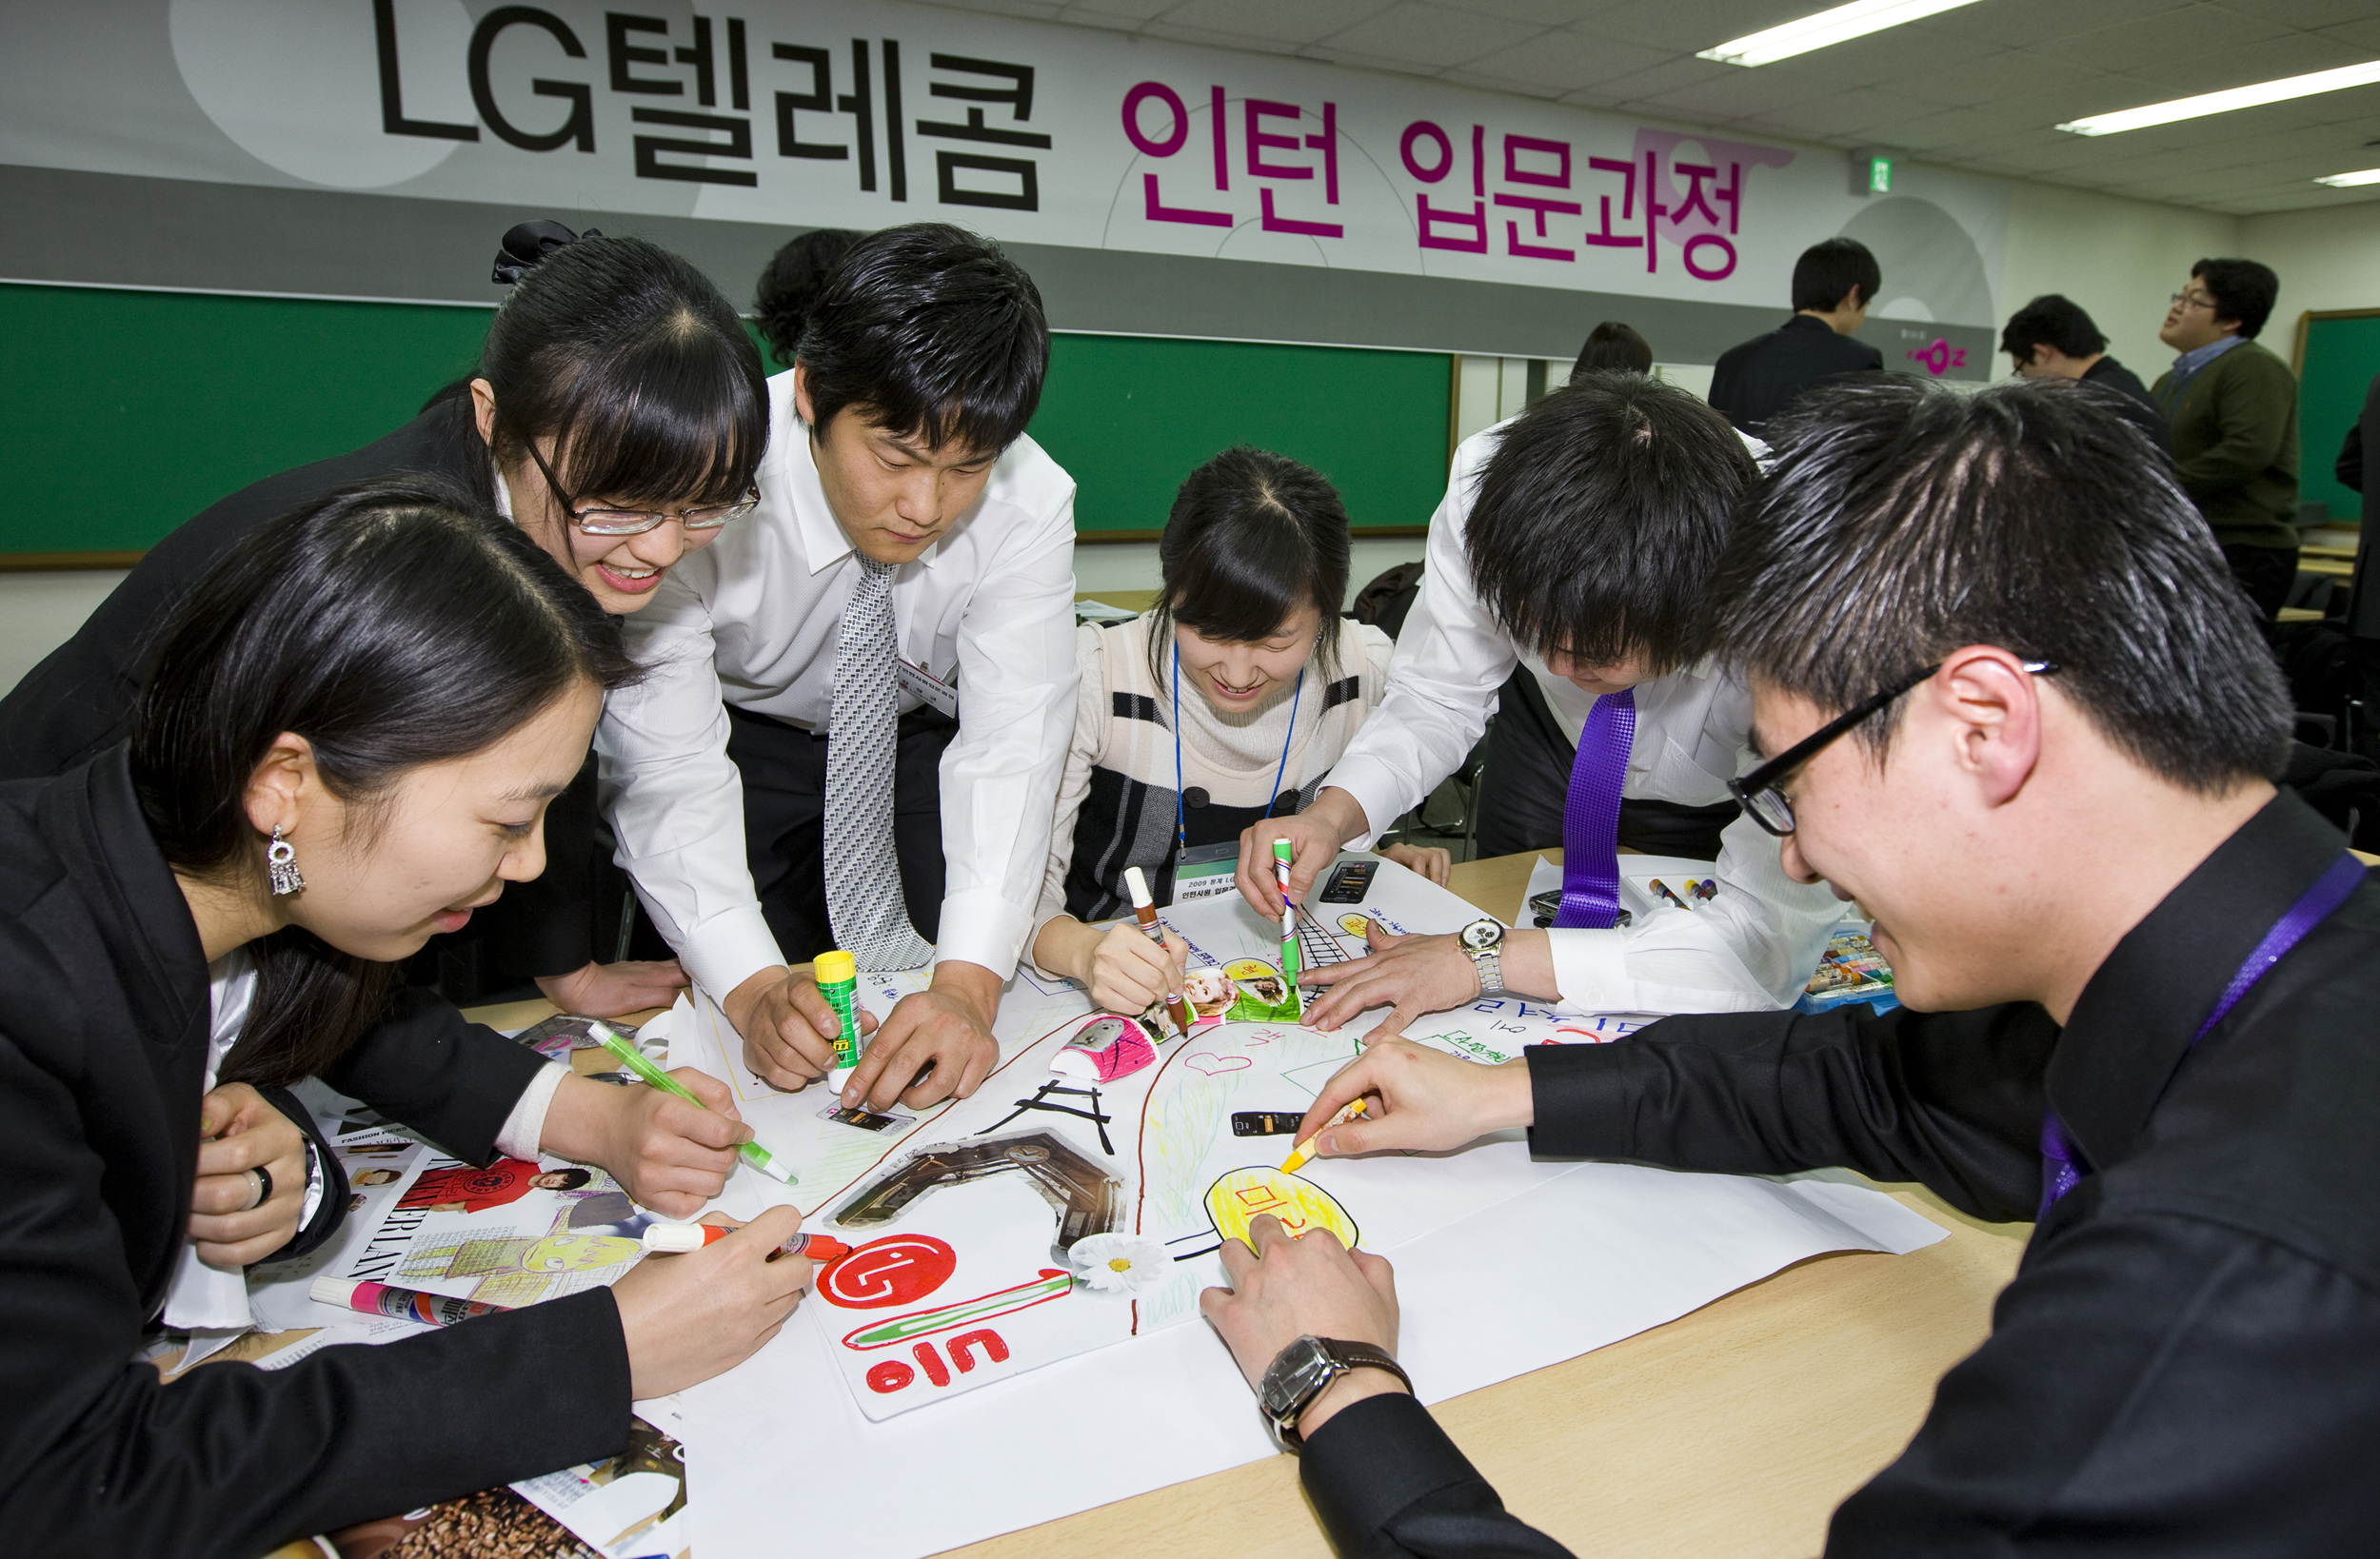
{"points": [[2227, 100], [2349, 181], [1840, 25]]}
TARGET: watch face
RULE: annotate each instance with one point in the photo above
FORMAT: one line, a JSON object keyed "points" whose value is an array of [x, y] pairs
{"points": [[1302, 1371], [1481, 935]]}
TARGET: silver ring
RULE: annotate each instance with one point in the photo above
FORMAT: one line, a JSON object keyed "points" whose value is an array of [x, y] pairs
{"points": [[263, 1188]]}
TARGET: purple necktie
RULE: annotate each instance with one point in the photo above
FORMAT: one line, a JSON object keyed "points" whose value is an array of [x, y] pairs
{"points": [[1591, 817], [2062, 1164]]}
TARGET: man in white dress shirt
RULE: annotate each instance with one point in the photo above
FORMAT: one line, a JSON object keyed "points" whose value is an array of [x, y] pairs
{"points": [[1574, 539], [912, 551]]}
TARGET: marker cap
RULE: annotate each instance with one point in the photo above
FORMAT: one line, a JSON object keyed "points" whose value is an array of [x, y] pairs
{"points": [[676, 1239], [1281, 850], [831, 968], [1138, 887], [334, 1291]]}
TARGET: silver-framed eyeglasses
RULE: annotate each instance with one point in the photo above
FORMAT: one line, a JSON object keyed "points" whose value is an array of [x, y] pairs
{"points": [[1759, 792], [595, 521]]}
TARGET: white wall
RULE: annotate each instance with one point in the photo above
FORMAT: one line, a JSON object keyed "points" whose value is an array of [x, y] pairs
{"points": [[2327, 259], [40, 611], [2121, 260]]}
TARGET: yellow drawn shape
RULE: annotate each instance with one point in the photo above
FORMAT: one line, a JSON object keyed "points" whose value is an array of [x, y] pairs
{"points": [[1249, 969], [1299, 1204], [1355, 925]]}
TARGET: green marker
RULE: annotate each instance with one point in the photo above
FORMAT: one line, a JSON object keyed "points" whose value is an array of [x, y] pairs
{"points": [[1281, 862], [838, 976], [647, 1073]]}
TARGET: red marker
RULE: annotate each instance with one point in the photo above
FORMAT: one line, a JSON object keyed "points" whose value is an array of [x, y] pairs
{"points": [[678, 1238]]}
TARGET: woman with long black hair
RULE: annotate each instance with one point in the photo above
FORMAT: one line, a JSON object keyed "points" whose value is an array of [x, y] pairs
{"points": [[617, 415], [357, 721]]}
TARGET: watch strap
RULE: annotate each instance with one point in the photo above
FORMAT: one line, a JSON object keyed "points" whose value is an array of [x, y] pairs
{"points": [[1344, 1356]]}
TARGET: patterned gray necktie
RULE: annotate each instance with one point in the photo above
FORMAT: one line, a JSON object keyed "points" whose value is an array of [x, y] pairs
{"points": [[863, 901]]}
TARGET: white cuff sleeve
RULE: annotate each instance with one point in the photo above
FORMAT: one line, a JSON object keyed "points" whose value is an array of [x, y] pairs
{"points": [[1376, 788], [1591, 969], [732, 946], [982, 928], [525, 1126]]}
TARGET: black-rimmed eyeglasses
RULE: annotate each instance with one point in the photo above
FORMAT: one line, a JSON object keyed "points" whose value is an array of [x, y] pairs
{"points": [[637, 521], [1758, 792]]}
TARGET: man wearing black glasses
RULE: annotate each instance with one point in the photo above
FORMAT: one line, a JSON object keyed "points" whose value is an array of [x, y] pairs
{"points": [[2016, 711]]}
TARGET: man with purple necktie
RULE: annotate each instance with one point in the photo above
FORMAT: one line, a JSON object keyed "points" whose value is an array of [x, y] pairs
{"points": [[1575, 542]]}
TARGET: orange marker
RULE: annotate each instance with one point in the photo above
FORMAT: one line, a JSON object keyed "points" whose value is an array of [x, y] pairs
{"points": [[1145, 907], [678, 1238]]}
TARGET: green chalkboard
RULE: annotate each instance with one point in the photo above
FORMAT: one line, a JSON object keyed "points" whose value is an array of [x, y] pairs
{"points": [[133, 410], [2339, 355], [1131, 416]]}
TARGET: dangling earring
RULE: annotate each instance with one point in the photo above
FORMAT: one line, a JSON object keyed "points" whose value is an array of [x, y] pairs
{"points": [[281, 860]]}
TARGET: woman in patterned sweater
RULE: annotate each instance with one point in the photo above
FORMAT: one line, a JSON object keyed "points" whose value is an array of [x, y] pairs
{"points": [[1225, 704]]}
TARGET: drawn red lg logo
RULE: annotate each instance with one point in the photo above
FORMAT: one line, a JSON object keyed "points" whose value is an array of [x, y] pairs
{"points": [[898, 1269]]}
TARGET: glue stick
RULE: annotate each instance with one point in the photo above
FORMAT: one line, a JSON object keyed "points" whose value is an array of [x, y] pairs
{"points": [[403, 1304], [838, 976]]}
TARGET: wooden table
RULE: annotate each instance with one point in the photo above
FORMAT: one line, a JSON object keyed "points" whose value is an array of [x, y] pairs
{"points": [[1734, 1431], [1130, 600]]}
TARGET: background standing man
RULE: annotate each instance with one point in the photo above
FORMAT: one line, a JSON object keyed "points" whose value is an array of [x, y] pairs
{"points": [[2052, 338], [2233, 407], [858, 704], [1834, 283]]}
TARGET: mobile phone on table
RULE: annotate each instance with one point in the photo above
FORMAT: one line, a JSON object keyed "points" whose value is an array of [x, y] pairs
{"points": [[1543, 907]]}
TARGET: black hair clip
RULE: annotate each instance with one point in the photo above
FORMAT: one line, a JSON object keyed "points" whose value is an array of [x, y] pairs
{"points": [[529, 242]]}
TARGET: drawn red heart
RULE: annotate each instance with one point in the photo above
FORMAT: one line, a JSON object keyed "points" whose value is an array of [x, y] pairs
{"points": [[1214, 1065]]}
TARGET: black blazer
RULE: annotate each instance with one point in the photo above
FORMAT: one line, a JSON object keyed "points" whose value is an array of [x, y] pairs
{"points": [[79, 702], [2363, 611], [1754, 381], [103, 1047], [2183, 1365], [2139, 408]]}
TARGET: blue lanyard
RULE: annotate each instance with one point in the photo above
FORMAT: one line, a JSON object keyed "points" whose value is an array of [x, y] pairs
{"points": [[1182, 841]]}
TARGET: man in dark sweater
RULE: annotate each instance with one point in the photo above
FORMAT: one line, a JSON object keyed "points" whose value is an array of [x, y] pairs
{"points": [[1834, 284], [2052, 337], [2018, 712], [2233, 407]]}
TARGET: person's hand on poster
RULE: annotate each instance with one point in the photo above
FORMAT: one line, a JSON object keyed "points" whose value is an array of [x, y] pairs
{"points": [[688, 1317], [1428, 860], [1414, 976], [1314, 835], [787, 1026], [250, 1196], [1121, 968], [666, 1153], [936, 1044], [1417, 1100], [1284, 1289], [615, 989]]}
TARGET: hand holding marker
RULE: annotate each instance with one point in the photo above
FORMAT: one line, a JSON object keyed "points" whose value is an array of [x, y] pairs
{"points": [[752, 1153], [678, 1238], [1145, 907], [1281, 862]]}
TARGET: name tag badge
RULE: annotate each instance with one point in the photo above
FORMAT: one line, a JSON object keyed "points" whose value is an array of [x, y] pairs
{"points": [[930, 690], [1205, 870]]}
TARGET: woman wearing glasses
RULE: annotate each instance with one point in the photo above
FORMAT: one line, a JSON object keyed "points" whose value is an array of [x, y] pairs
{"points": [[617, 414]]}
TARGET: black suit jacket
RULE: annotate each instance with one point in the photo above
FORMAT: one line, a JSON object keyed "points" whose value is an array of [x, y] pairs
{"points": [[2183, 1365], [2139, 408], [1752, 382], [103, 1049], [79, 702], [2363, 612]]}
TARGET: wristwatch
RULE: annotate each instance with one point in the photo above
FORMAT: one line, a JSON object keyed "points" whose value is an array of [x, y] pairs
{"points": [[1303, 1371], [1483, 941]]}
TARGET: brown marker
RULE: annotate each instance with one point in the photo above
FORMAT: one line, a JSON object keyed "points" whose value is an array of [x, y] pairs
{"points": [[1144, 906]]}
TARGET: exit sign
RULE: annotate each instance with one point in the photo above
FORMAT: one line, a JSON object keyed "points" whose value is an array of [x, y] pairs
{"points": [[1871, 174]]}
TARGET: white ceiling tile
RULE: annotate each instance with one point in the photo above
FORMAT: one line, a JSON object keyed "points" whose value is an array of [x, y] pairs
{"points": [[2292, 54], [2019, 24], [2192, 32], [2307, 15], [2364, 35], [1543, 12], [1428, 37], [1687, 26], [1733, 96], [1843, 114], [1304, 22], [1105, 12], [1662, 78], [1568, 60]]}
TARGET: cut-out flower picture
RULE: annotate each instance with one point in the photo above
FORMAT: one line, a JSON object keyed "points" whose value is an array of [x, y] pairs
{"points": [[1120, 1263]]}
